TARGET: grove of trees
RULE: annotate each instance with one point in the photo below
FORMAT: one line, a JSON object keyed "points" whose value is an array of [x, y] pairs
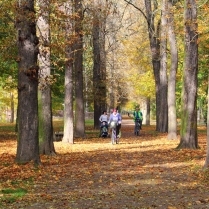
{"points": [[79, 56]]}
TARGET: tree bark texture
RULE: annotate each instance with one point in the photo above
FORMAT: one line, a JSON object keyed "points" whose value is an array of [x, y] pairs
{"points": [[12, 108], [78, 66], [163, 115], [46, 145], [189, 99], [99, 68], [68, 136], [160, 86], [147, 119], [27, 41], [206, 165], [172, 120]]}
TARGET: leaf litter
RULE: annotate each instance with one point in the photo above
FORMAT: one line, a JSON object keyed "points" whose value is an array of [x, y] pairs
{"points": [[143, 171]]}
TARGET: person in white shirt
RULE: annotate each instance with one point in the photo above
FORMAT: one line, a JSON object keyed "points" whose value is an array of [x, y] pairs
{"points": [[104, 117]]}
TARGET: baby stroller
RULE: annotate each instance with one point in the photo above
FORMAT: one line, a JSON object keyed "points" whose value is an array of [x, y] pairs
{"points": [[104, 129]]}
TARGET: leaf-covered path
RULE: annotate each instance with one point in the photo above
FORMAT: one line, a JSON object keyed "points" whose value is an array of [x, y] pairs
{"points": [[140, 172]]}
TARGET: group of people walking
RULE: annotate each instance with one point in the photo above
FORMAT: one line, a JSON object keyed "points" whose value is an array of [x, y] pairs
{"points": [[117, 118], [114, 116]]}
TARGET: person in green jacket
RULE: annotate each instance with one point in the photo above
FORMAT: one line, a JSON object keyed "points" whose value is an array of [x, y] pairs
{"points": [[137, 114]]}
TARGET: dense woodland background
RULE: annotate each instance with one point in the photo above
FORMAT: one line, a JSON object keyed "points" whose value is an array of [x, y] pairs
{"points": [[71, 57]]}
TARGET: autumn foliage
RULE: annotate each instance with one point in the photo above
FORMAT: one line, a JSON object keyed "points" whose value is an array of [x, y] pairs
{"points": [[143, 171]]}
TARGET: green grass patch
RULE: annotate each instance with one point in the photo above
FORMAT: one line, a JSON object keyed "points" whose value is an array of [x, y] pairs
{"points": [[11, 195], [59, 124], [7, 127], [89, 122], [7, 131]]}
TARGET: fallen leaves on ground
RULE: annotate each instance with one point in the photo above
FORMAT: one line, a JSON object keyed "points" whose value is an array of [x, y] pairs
{"points": [[143, 171]]}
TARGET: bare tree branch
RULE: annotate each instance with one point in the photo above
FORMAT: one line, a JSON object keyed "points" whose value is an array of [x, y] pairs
{"points": [[129, 2]]}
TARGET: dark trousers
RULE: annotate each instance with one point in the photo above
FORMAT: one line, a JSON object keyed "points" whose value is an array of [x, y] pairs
{"points": [[118, 127], [140, 123]]}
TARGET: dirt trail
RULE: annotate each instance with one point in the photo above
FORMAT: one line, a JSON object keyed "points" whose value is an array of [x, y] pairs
{"points": [[142, 172]]}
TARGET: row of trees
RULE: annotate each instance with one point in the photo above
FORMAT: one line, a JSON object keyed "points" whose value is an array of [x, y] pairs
{"points": [[77, 36], [163, 45], [38, 41]]}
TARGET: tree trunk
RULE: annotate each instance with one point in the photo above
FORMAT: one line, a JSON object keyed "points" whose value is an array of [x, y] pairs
{"points": [[206, 165], [147, 119], [96, 74], [99, 68], [163, 115], [189, 100], [12, 108], [160, 83], [68, 135], [78, 65], [27, 42], [68, 108], [172, 120], [46, 145]]}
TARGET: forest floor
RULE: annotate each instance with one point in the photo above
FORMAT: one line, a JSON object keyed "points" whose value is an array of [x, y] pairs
{"points": [[141, 172]]}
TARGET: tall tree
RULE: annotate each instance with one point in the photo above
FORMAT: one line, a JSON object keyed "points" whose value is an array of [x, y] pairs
{"points": [[78, 69], [27, 43], [46, 144], [68, 100], [99, 68], [189, 98], [172, 119], [161, 86], [154, 26], [163, 90]]}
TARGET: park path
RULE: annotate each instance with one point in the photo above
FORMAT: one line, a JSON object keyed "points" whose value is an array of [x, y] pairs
{"points": [[140, 173]]}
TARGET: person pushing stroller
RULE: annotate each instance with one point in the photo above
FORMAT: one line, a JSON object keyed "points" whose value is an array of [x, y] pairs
{"points": [[104, 124]]}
